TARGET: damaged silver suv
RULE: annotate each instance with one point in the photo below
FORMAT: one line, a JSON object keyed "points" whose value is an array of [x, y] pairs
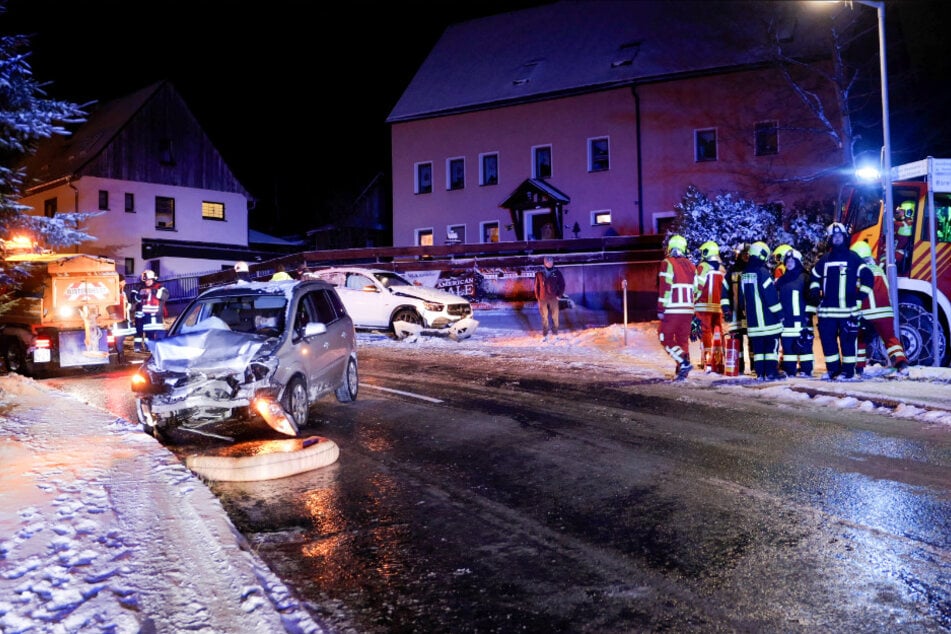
{"points": [[249, 351]]}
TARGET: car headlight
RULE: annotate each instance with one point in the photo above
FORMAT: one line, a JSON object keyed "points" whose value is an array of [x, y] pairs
{"points": [[260, 370], [435, 307]]}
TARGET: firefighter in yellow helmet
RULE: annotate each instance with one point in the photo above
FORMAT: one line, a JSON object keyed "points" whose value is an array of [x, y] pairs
{"points": [[904, 228], [712, 292], [763, 313], [777, 260], [879, 317], [675, 304]]}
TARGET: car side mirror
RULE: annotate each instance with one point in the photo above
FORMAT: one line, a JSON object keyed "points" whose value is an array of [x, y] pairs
{"points": [[314, 328]]}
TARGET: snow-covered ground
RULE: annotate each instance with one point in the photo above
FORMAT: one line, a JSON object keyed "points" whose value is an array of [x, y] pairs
{"points": [[104, 530]]}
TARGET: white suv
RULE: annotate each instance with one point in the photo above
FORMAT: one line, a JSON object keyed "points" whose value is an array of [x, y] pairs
{"points": [[376, 298]]}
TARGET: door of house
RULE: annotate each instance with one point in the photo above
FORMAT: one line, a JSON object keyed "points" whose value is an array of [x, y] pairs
{"points": [[538, 224]]}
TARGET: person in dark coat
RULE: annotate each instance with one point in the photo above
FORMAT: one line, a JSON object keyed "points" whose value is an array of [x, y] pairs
{"points": [[798, 335], [763, 313], [838, 283], [549, 287]]}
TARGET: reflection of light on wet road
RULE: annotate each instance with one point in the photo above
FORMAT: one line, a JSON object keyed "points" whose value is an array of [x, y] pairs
{"points": [[356, 536], [261, 447]]}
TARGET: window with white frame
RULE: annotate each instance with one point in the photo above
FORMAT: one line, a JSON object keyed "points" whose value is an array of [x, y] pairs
{"points": [[599, 154], [424, 237], [600, 217], [706, 144], [766, 138], [456, 173], [489, 231], [130, 202], [489, 168], [424, 178], [456, 234], [541, 161], [212, 211]]}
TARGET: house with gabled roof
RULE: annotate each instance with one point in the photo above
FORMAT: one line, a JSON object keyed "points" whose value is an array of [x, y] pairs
{"points": [[168, 199], [592, 118]]}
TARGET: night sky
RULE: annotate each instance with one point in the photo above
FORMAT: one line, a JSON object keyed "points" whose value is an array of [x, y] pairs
{"points": [[295, 94]]}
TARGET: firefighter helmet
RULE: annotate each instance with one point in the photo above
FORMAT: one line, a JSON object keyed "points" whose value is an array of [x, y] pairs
{"points": [[779, 253], [677, 243], [709, 249], [759, 250], [148, 274], [241, 267], [863, 249], [836, 227], [793, 254]]}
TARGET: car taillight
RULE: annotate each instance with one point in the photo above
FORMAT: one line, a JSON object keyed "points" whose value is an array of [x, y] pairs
{"points": [[43, 342]]}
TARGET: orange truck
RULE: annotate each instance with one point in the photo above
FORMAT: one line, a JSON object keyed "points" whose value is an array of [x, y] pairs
{"points": [[921, 193], [63, 315]]}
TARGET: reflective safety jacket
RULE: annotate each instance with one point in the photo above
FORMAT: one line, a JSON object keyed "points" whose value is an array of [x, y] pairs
{"points": [[797, 313], [877, 304], [713, 291], [676, 286], [760, 300], [839, 281]]}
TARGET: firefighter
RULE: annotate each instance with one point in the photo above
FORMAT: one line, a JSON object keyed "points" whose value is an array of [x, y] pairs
{"points": [[733, 311], [712, 292], [904, 227], [150, 312], [879, 316], [837, 284], [777, 260], [241, 272], [675, 307], [798, 333], [763, 313]]}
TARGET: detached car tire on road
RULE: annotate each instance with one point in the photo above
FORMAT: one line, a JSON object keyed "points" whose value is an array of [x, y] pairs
{"points": [[249, 351]]}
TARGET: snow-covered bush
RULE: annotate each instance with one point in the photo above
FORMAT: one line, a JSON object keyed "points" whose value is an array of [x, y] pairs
{"points": [[731, 221]]}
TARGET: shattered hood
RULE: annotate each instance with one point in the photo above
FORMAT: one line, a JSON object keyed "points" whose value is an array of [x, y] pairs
{"points": [[213, 349]]}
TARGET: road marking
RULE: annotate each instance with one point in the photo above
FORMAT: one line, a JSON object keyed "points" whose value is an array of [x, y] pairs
{"points": [[411, 394]]}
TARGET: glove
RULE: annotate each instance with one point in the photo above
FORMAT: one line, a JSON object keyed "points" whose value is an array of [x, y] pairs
{"points": [[805, 341], [660, 316], [852, 326], [696, 329]]}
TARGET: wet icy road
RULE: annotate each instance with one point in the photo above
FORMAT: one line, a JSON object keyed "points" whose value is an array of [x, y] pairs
{"points": [[568, 496]]}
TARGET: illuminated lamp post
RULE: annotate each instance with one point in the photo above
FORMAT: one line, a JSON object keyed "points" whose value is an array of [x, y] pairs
{"points": [[890, 268]]}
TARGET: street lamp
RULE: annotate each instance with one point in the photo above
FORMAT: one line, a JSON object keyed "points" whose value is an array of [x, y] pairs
{"points": [[891, 270]]}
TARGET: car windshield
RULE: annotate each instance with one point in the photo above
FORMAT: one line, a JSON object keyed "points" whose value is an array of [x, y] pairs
{"points": [[388, 279], [259, 314]]}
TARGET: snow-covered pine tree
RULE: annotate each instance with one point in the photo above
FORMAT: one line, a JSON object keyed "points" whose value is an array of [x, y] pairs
{"points": [[27, 116]]}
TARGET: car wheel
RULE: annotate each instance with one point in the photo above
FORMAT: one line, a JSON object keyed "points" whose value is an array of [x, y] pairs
{"points": [[347, 392], [16, 357], [408, 315], [295, 401]]}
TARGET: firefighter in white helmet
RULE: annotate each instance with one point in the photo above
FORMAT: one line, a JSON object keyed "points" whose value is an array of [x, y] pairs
{"points": [[150, 311]]}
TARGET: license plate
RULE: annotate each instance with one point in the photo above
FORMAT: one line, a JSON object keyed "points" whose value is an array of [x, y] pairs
{"points": [[41, 355]]}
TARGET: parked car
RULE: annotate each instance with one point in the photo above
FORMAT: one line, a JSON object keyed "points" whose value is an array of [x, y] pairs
{"points": [[249, 350], [376, 299]]}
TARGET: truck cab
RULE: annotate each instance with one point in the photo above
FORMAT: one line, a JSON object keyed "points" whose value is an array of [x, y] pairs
{"points": [[921, 193]]}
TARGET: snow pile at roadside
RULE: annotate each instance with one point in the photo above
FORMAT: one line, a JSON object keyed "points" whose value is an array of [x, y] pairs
{"points": [[103, 530]]}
